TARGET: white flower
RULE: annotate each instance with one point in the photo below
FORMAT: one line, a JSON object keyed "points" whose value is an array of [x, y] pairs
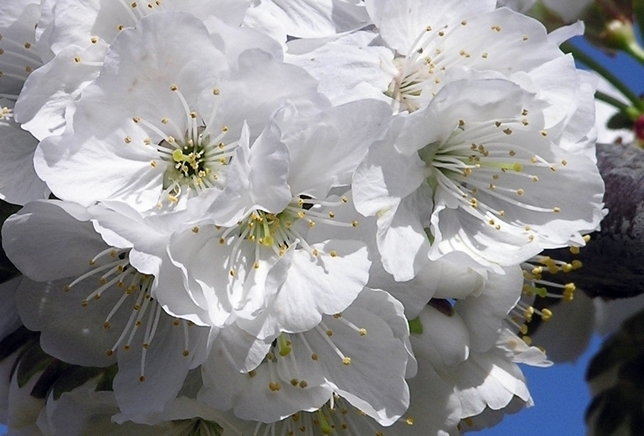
{"points": [[267, 254], [94, 309], [18, 58], [155, 131], [476, 176], [18, 52], [19, 183], [306, 18], [362, 355], [73, 39], [420, 46]]}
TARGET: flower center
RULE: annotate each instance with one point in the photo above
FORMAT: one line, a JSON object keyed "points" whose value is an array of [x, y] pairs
{"points": [[116, 275], [278, 232], [487, 171], [192, 149]]}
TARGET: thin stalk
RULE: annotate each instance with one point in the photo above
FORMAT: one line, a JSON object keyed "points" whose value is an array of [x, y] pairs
{"points": [[635, 51], [585, 59], [611, 100]]}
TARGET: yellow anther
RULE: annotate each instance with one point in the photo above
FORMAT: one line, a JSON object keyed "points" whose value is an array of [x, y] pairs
{"points": [[346, 361], [546, 314], [576, 264], [569, 287], [173, 87]]}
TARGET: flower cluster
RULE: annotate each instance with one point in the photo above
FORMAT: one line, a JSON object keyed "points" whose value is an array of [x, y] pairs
{"points": [[271, 217]]}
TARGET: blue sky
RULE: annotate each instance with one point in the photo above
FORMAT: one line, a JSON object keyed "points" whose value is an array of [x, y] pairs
{"points": [[560, 392]]}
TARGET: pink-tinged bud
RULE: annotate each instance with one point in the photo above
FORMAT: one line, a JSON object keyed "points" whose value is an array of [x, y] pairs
{"points": [[639, 129]]}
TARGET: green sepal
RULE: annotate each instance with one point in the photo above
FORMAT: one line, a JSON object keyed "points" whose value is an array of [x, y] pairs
{"points": [[48, 378], [73, 377], [33, 360], [415, 326], [14, 341], [106, 380], [213, 428]]}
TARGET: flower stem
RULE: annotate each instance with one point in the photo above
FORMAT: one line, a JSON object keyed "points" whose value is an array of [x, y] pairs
{"points": [[636, 51], [585, 59], [611, 100]]}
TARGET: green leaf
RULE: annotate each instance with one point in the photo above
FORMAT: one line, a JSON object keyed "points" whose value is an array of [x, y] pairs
{"points": [[612, 353], [617, 406], [638, 13], [610, 412], [620, 121]]}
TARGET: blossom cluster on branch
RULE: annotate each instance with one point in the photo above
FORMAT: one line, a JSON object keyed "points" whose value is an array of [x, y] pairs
{"points": [[283, 217]]}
